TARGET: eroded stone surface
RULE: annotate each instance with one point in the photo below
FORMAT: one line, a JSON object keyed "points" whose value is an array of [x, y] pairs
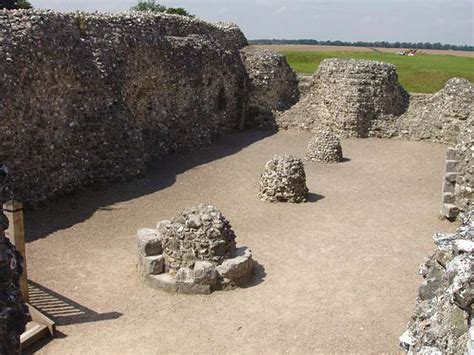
{"points": [[283, 180], [148, 242], [359, 98], [273, 85], [348, 96], [441, 116], [237, 269], [446, 296], [324, 147], [198, 234]]}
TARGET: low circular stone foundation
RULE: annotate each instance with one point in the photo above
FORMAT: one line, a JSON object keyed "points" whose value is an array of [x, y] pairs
{"points": [[324, 147], [195, 253], [283, 180]]}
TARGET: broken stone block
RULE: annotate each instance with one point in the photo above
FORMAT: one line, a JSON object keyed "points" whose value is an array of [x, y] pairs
{"points": [[449, 210], [205, 273], [451, 177], [448, 187], [188, 284], [152, 265], [149, 242], [448, 197], [185, 275], [194, 289], [451, 166], [237, 268], [164, 282], [451, 154]]}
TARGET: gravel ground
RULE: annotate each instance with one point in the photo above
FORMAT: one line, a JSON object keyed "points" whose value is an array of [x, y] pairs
{"points": [[336, 274]]}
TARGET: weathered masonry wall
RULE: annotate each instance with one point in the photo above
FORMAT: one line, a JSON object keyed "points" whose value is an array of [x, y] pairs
{"points": [[442, 322], [359, 98], [89, 98]]}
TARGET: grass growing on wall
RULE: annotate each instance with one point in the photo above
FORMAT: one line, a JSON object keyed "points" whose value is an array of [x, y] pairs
{"points": [[423, 73]]}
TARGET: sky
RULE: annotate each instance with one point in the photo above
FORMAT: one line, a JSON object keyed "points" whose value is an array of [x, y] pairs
{"points": [[445, 21]]}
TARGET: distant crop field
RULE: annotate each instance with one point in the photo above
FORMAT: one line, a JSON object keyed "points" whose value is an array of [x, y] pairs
{"points": [[423, 73]]}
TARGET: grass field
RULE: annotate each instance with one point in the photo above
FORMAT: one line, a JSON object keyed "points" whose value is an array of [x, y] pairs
{"points": [[424, 73]]}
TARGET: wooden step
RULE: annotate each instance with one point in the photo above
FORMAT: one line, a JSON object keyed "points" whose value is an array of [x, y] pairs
{"points": [[34, 332], [39, 327]]}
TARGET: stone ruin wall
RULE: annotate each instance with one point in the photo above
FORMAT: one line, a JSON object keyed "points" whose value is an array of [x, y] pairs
{"points": [[91, 98], [348, 97], [442, 322], [273, 86], [360, 98]]}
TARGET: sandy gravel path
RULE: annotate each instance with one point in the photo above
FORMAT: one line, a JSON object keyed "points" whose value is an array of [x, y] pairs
{"points": [[337, 274]]}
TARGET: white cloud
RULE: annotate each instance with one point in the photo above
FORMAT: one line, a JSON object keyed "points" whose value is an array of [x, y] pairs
{"points": [[280, 10]]}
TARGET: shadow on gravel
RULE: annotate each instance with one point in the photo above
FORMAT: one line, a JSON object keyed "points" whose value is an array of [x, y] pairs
{"points": [[62, 310], [258, 276], [312, 197], [79, 206]]}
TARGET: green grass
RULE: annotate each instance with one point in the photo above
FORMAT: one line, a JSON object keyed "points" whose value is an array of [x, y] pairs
{"points": [[423, 73]]}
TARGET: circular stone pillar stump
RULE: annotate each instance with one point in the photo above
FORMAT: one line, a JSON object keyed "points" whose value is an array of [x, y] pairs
{"points": [[195, 253], [324, 147], [283, 180]]}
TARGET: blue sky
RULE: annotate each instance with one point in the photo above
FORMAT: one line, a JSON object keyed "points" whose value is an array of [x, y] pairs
{"points": [[445, 21]]}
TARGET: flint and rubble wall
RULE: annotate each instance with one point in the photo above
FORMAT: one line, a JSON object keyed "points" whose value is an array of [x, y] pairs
{"points": [[89, 98], [442, 321], [360, 98]]}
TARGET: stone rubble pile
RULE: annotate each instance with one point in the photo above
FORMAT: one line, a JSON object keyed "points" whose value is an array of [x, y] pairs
{"points": [[283, 180], [273, 86], [324, 147], [443, 318], [195, 253], [348, 96]]}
